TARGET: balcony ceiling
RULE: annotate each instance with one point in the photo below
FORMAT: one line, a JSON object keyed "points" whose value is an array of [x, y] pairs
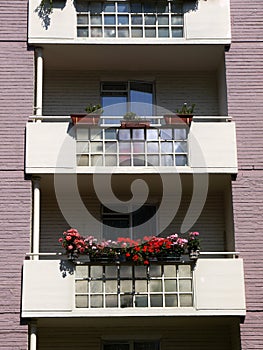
{"points": [[133, 57]]}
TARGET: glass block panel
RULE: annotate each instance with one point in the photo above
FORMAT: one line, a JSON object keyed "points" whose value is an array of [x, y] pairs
{"points": [[136, 7], [111, 286], [163, 20], [167, 160], [150, 20], [138, 134], [96, 286], [109, 7], [109, 20], [82, 301], [180, 147], [82, 147], [83, 32], [83, 160], [152, 147], [110, 147], [185, 286], [125, 147], [110, 32], [138, 147], [95, 7], [141, 301], [111, 301], [171, 300], [96, 147], [139, 160], [96, 271], [126, 301], [83, 19], [150, 32], [177, 32], [186, 300], [96, 301], [163, 32], [136, 19], [170, 285], [110, 134], [155, 271], [152, 134], [124, 134], [96, 32], [123, 32], [82, 6], [180, 160], [82, 134], [140, 286], [166, 147], [156, 300], [111, 272], [184, 271], [82, 271], [167, 134], [169, 270], [125, 161], [96, 160], [153, 160], [97, 20], [180, 134], [156, 286], [82, 286], [123, 7], [126, 286], [140, 271], [177, 20], [126, 272], [136, 32], [123, 20], [95, 134]]}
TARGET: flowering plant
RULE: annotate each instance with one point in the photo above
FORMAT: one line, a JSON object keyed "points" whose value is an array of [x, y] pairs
{"points": [[138, 251], [193, 241]]}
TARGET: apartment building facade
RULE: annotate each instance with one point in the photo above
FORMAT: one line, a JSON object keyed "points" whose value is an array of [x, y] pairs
{"points": [[200, 175]]}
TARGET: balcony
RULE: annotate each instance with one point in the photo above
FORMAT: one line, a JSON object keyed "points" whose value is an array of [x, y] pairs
{"points": [[58, 288], [93, 22], [54, 145]]}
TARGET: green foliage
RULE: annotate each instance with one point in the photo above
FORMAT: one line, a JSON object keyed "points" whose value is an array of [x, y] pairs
{"points": [[186, 109], [130, 116], [94, 108]]}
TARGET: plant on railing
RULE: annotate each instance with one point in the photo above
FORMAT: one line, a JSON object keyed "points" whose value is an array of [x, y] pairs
{"points": [[186, 110], [140, 251]]}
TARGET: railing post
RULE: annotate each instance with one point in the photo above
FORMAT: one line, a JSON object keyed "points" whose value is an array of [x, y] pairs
{"points": [[36, 215], [33, 337], [39, 82]]}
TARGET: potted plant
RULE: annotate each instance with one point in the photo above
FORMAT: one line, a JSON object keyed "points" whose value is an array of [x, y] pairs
{"points": [[184, 114], [92, 116], [132, 120], [193, 245]]}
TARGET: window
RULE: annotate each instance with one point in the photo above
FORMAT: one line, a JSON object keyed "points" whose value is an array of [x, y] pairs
{"points": [[118, 98], [131, 345], [124, 19], [128, 223]]}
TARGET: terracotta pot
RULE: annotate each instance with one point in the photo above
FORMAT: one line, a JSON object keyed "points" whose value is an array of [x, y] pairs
{"points": [[178, 119], [84, 118], [135, 124]]}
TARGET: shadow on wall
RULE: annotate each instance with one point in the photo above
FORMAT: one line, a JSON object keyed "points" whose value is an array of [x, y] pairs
{"points": [[45, 8]]}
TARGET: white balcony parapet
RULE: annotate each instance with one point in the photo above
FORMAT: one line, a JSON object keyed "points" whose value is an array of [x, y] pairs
{"points": [[214, 287]]}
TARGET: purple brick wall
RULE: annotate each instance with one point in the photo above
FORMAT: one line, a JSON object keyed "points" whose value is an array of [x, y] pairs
{"points": [[244, 64], [16, 104]]}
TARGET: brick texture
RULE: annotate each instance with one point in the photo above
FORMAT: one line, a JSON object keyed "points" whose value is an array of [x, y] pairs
{"points": [[16, 104], [244, 64]]}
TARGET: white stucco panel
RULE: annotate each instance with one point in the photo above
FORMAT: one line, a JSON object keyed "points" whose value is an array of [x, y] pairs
{"points": [[210, 21], [212, 145], [47, 285], [219, 284], [50, 146]]}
